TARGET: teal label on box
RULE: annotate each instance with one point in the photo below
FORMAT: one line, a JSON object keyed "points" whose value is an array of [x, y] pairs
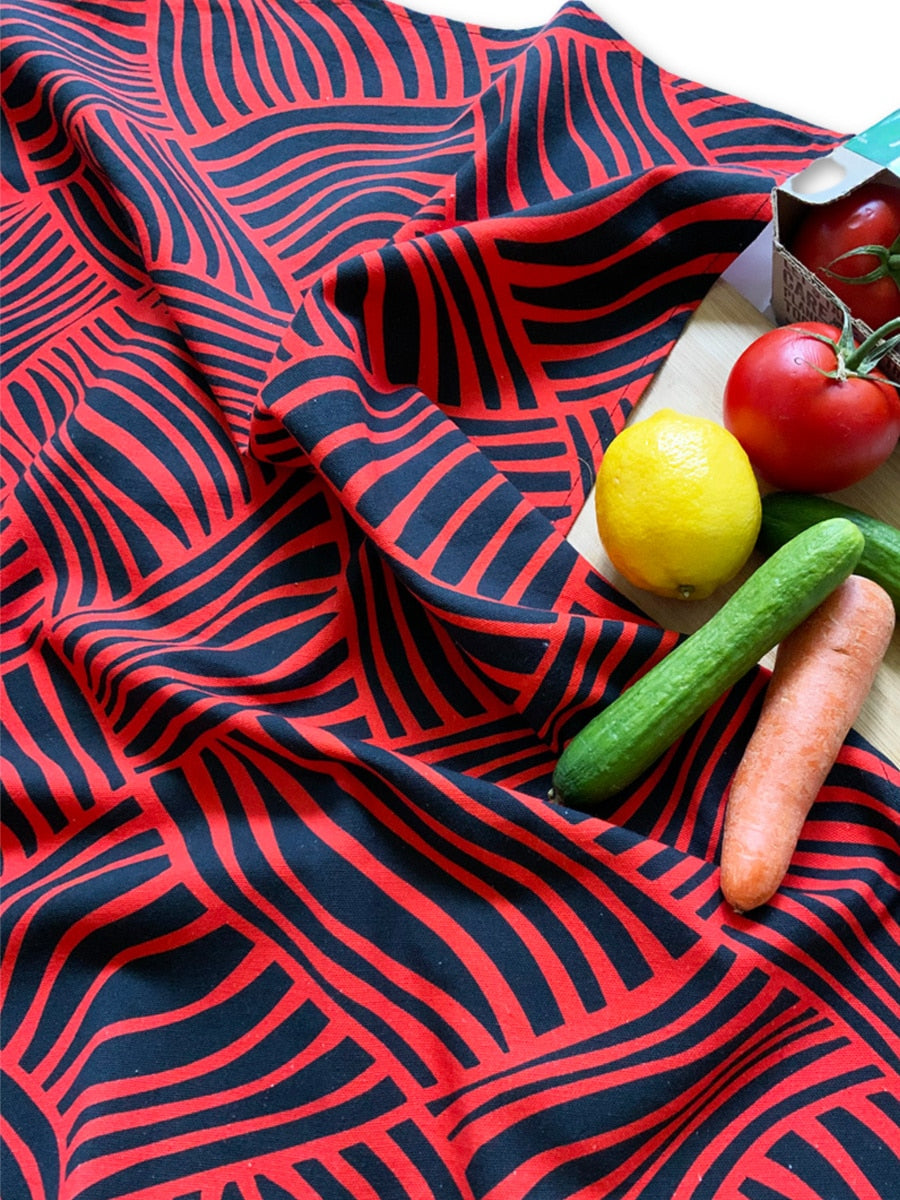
{"points": [[880, 143]]}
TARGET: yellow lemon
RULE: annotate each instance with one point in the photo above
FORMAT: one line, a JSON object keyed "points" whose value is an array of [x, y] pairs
{"points": [[678, 505]]}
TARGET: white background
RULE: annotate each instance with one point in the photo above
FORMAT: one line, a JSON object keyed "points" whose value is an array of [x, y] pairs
{"points": [[833, 63]]}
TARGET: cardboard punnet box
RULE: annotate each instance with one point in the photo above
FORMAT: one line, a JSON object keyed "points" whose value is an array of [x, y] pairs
{"points": [[797, 294]]}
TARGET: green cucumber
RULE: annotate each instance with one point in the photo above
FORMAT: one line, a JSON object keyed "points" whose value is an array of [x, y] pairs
{"points": [[785, 514], [628, 736]]}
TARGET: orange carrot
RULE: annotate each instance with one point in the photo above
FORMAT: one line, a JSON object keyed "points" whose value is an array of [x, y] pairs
{"points": [[823, 672]]}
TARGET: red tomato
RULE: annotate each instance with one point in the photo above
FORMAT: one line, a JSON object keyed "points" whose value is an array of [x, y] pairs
{"points": [[867, 217], [803, 430]]}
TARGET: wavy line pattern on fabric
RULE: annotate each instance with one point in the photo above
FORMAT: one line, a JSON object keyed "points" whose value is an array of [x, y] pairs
{"points": [[319, 318]]}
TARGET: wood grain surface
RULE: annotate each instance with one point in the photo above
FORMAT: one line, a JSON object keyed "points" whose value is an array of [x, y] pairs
{"points": [[692, 381]]}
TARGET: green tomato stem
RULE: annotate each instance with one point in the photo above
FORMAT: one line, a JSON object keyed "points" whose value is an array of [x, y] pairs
{"points": [[859, 361], [878, 344], [888, 264]]}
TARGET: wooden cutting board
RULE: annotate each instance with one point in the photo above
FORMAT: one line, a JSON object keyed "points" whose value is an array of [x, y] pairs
{"points": [[692, 380]]}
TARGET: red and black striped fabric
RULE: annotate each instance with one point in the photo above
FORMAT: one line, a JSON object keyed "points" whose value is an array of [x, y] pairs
{"points": [[318, 317]]}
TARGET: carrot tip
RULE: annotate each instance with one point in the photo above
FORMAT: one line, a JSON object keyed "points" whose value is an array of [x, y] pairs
{"points": [[751, 903]]}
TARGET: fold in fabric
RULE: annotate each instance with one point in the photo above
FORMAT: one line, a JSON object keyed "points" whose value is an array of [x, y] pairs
{"points": [[318, 318]]}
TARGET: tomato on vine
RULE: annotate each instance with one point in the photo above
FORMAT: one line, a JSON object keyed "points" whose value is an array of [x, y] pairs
{"points": [[809, 406], [853, 245]]}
